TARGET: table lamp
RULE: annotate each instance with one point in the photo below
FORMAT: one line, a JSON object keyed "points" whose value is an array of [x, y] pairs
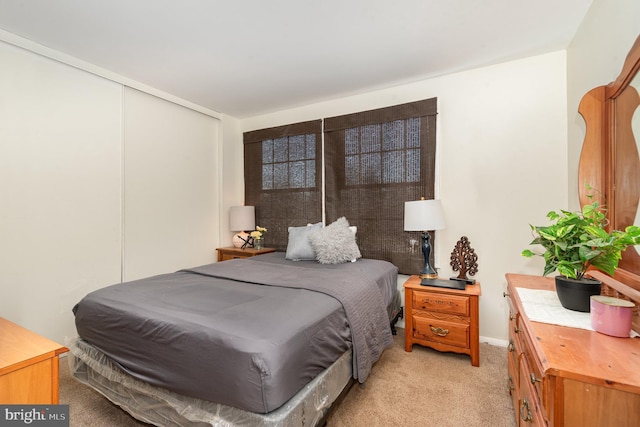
{"points": [[424, 215], [241, 219]]}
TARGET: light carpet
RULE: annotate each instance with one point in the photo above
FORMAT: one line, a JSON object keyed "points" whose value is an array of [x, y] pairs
{"points": [[420, 388]]}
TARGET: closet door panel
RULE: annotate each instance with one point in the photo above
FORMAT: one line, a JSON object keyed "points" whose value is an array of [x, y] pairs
{"points": [[60, 158], [170, 194]]}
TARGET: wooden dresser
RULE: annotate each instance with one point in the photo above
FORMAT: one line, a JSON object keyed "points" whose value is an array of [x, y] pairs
{"points": [[561, 376], [28, 366], [441, 318]]}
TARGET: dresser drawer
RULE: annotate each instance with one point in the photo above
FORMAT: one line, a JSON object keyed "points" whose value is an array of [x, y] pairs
{"points": [[513, 352], [441, 331], [441, 303], [534, 375], [530, 411], [514, 348], [513, 386]]}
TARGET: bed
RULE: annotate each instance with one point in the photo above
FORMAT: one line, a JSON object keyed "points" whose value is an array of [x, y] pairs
{"points": [[257, 341]]}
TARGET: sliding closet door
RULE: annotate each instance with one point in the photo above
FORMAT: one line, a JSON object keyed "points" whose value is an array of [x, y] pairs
{"points": [[170, 193], [59, 189]]}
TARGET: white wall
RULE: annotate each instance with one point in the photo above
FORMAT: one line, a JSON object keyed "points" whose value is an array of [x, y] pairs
{"points": [[497, 127], [72, 146], [170, 186], [595, 58]]}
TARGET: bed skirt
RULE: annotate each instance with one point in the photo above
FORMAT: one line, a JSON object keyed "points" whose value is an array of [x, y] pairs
{"points": [[165, 408]]}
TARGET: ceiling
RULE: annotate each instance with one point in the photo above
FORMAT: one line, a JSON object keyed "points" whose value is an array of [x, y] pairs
{"points": [[249, 57]]}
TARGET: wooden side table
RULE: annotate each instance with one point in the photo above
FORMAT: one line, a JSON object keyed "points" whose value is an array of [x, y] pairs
{"points": [[232, 252], [29, 366], [442, 318]]}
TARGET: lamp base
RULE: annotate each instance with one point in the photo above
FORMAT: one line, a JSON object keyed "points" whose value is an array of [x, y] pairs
{"points": [[241, 240], [427, 272]]}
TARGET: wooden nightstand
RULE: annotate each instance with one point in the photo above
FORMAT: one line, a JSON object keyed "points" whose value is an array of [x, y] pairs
{"points": [[441, 318], [29, 366], [232, 252]]}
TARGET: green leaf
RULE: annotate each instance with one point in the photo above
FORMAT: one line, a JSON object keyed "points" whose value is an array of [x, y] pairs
{"points": [[548, 269], [596, 231], [553, 215], [606, 264], [567, 270], [587, 254], [546, 234]]}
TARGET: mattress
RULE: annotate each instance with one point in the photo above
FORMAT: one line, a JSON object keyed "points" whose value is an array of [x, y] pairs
{"points": [[228, 340]]}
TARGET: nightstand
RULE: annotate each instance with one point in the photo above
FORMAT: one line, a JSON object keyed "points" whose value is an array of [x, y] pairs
{"points": [[232, 252], [441, 318]]}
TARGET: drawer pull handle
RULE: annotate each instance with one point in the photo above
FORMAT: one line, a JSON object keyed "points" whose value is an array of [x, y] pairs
{"points": [[439, 331], [526, 416], [511, 316], [504, 294], [533, 379], [511, 347], [510, 385], [515, 329]]}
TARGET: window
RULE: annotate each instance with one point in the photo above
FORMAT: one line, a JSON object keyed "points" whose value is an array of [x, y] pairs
{"points": [[386, 153], [374, 162], [282, 177], [289, 162]]}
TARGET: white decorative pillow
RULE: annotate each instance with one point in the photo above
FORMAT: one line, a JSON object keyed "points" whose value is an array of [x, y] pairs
{"points": [[299, 248], [335, 243]]}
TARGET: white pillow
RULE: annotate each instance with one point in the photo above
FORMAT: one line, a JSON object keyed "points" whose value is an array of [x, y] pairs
{"points": [[335, 243], [298, 247]]}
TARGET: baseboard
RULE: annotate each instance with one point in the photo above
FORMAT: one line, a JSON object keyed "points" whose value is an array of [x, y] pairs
{"points": [[494, 341]]}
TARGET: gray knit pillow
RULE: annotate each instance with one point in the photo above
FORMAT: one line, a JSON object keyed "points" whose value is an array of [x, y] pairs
{"points": [[335, 243]]}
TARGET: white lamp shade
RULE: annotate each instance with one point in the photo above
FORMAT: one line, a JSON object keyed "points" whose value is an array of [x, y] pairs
{"points": [[423, 215], [242, 218]]}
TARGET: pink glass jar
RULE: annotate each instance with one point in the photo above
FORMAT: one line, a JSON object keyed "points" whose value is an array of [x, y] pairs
{"points": [[611, 316]]}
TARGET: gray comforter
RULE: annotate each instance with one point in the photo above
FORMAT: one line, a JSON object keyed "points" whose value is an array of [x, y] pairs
{"points": [[245, 333]]}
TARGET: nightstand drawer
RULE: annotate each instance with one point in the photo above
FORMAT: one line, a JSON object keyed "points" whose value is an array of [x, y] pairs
{"points": [[442, 331], [441, 303], [226, 257]]}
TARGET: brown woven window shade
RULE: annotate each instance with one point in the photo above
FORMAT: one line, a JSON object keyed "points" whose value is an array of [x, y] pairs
{"points": [[374, 162], [282, 170]]}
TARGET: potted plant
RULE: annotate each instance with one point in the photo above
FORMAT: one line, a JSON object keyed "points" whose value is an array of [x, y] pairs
{"points": [[576, 242]]}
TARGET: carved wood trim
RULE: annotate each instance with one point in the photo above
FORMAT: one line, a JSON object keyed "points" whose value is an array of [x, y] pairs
{"points": [[628, 72], [609, 160]]}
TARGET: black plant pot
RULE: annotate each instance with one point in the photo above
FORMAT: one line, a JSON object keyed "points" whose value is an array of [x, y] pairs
{"points": [[576, 294]]}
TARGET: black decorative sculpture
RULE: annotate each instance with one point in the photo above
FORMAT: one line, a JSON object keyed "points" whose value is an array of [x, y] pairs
{"points": [[465, 260]]}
